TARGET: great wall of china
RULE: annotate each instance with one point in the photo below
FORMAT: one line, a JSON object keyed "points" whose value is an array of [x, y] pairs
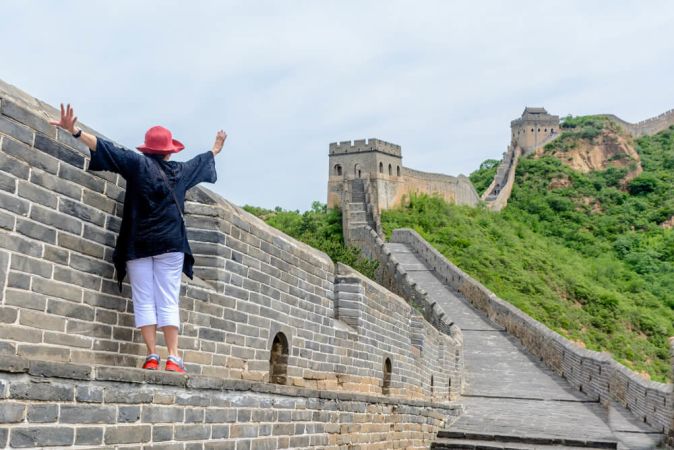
{"points": [[285, 349]]}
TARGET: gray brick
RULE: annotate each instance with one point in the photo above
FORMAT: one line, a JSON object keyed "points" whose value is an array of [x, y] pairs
{"points": [[16, 130], [12, 412], [14, 166], [128, 414], [8, 315], [105, 301], [39, 319], [7, 221], [33, 266], [191, 432], [36, 231], [56, 289], [161, 433], [45, 391], [43, 352], [67, 340], [220, 432], [194, 415], [99, 235], [127, 395], [6, 349], [66, 138], [90, 329], [13, 364], [37, 194], [99, 201], [71, 276], [58, 150], [14, 204], [21, 334], [69, 309], [158, 414], [89, 394], [89, 436], [55, 254], [127, 434], [214, 415], [56, 184], [77, 414], [91, 265], [25, 299], [38, 413], [7, 183], [18, 280], [27, 117], [41, 436], [25, 153], [60, 221], [22, 245], [80, 245], [82, 212], [60, 370], [81, 177]]}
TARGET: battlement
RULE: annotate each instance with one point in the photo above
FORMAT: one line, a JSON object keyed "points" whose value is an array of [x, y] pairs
{"points": [[365, 145], [535, 115]]}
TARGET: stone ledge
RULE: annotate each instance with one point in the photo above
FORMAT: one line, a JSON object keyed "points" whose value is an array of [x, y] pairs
{"points": [[79, 372]]}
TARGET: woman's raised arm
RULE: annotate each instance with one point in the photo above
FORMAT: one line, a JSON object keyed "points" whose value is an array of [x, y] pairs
{"points": [[67, 122]]}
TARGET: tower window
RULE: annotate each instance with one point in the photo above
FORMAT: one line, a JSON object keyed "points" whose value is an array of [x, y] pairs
{"points": [[278, 360], [390, 170], [381, 167], [398, 170], [338, 169], [386, 385]]}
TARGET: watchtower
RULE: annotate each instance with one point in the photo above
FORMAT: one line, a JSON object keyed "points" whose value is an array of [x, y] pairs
{"points": [[372, 158], [534, 128]]}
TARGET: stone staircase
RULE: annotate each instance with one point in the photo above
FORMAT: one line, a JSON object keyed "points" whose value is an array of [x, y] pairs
{"points": [[484, 441], [511, 399]]}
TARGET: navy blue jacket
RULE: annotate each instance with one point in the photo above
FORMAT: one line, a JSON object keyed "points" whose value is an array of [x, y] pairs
{"points": [[151, 223]]}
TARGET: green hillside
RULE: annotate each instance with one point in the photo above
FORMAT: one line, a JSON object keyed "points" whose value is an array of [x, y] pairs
{"points": [[319, 227], [588, 254]]}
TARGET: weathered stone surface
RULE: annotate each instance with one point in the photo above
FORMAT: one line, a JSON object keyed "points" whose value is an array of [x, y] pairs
{"points": [[41, 436]]}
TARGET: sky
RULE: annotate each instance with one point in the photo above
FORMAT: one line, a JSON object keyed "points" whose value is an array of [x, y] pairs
{"points": [[443, 79]]}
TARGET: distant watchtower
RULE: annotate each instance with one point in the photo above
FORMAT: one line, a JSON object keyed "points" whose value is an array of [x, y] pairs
{"points": [[372, 158], [534, 128]]}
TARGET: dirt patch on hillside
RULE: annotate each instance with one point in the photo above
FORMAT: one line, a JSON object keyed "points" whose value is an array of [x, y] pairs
{"points": [[669, 223], [609, 149]]}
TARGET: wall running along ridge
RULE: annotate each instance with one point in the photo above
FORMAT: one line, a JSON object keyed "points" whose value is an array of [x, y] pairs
{"points": [[646, 127], [61, 317], [594, 373]]}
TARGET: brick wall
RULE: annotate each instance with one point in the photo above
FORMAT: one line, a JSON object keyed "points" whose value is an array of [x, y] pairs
{"points": [[595, 373], [63, 404], [59, 301]]}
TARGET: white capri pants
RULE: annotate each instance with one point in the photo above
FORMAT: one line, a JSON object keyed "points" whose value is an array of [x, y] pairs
{"points": [[155, 288]]}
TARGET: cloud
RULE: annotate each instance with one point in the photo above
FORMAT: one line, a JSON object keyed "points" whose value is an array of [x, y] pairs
{"points": [[443, 79]]}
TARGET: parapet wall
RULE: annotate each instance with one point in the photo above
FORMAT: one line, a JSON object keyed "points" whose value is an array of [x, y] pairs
{"points": [[49, 404], [59, 301], [646, 127], [364, 145], [594, 373]]}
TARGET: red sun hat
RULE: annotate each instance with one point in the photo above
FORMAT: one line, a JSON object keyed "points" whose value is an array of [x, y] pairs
{"points": [[159, 141]]}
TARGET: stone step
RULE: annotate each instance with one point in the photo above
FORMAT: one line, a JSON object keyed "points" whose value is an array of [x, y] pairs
{"points": [[357, 206], [472, 440], [357, 216], [470, 444]]}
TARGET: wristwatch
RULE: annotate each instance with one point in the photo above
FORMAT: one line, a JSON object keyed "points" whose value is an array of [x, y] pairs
{"points": [[78, 133]]}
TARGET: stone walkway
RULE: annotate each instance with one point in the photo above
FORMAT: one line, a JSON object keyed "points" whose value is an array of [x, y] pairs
{"points": [[509, 391]]}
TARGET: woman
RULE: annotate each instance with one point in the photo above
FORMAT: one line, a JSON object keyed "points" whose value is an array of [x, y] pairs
{"points": [[152, 243]]}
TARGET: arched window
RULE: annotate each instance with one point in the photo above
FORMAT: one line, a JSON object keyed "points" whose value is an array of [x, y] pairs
{"points": [[539, 130], [386, 385], [278, 360], [381, 167], [431, 385], [532, 130], [358, 173], [398, 170], [449, 388], [390, 170], [338, 169]]}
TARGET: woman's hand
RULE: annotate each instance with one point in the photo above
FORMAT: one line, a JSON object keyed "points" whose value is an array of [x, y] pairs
{"points": [[219, 142], [67, 122], [68, 119]]}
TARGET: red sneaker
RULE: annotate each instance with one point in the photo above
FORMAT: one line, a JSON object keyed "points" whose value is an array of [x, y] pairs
{"points": [[151, 362], [175, 364]]}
